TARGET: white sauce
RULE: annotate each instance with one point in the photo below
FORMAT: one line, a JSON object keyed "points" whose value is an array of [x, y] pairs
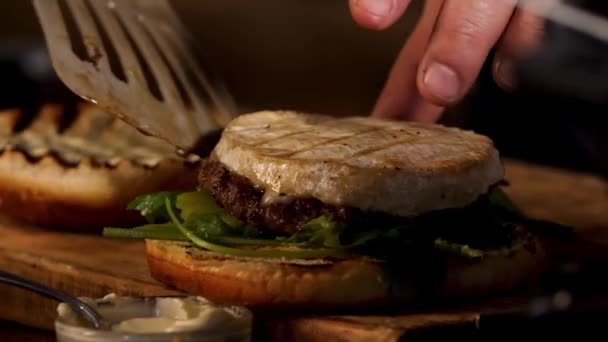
{"points": [[163, 315]]}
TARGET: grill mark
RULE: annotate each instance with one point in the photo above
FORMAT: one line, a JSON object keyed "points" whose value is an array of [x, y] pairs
{"points": [[8, 121], [364, 152], [389, 144], [250, 128], [375, 148], [288, 135], [327, 142], [85, 136], [47, 120], [89, 127], [277, 123], [258, 144]]}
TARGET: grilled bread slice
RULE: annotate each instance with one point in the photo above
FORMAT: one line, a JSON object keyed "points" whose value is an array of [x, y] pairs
{"points": [[83, 176], [404, 169]]}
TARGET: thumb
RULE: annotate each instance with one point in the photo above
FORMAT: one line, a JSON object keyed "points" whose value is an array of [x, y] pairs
{"points": [[377, 14]]}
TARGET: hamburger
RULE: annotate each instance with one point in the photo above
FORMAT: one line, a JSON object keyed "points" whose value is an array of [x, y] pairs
{"points": [[306, 210]]}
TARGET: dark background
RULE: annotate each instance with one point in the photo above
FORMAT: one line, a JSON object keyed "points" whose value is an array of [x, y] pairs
{"points": [[309, 55]]}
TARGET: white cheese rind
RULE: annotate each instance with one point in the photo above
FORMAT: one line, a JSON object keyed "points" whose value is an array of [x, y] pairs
{"points": [[396, 167]]}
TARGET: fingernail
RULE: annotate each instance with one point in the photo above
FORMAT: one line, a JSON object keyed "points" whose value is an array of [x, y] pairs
{"points": [[442, 81], [505, 72], [379, 8]]}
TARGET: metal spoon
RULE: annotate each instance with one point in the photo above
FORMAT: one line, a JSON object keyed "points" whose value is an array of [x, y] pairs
{"points": [[85, 310]]}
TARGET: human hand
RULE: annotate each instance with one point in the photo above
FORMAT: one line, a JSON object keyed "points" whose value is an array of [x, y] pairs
{"points": [[443, 56]]}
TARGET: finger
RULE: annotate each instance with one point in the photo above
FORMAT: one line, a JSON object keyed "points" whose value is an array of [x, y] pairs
{"points": [[400, 98], [465, 33], [377, 14], [521, 39], [424, 111]]}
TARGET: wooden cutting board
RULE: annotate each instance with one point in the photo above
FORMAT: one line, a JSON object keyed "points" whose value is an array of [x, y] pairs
{"points": [[88, 265]]}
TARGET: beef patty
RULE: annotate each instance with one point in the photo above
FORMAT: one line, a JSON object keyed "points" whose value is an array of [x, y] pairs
{"points": [[479, 223], [245, 201]]}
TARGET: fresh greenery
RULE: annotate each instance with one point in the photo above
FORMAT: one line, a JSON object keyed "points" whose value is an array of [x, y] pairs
{"points": [[457, 249], [319, 232], [152, 206], [500, 199], [197, 240], [195, 217]]}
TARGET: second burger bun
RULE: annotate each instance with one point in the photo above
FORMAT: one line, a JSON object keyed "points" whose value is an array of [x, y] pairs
{"points": [[84, 198], [41, 189]]}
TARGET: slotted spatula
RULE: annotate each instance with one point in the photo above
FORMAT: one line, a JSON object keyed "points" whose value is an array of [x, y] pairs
{"points": [[135, 59]]}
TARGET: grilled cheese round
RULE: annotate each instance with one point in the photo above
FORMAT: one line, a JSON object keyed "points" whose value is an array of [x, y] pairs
{"points": [[404, 169]]}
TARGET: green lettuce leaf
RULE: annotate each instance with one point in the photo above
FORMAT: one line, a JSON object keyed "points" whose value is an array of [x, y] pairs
{"points": [[322, 231], [248, 252], [500, 199], [195, 217], [208, 225], [196, 204], [152, 206], [457, 249], [165, 231]]}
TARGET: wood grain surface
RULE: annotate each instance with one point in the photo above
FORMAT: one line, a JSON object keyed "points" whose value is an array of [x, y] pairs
{"points": [[88, 265]]}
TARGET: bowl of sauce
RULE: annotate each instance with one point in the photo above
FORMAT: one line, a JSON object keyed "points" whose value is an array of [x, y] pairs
{"points": [[156, 319]]}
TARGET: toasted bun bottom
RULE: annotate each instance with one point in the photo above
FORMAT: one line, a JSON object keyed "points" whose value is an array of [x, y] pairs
{"points": [[275, 283], [83, 198]]}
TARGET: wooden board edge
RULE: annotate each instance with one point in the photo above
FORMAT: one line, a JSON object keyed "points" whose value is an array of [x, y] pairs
{"points": [[37, 311]]}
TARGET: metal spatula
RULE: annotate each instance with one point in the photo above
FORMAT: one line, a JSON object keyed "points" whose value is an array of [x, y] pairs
{"points": [[134, 59]]}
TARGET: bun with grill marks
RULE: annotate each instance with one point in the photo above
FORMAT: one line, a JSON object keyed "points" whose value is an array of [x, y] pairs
{"points": [[82, 178]]}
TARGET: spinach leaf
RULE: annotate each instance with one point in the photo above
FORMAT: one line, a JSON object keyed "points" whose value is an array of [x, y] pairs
{"points": [[152, 206], [196, 204], [194, 216], [500, 199], [457, 249], [207, 225], [322, 231]]}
